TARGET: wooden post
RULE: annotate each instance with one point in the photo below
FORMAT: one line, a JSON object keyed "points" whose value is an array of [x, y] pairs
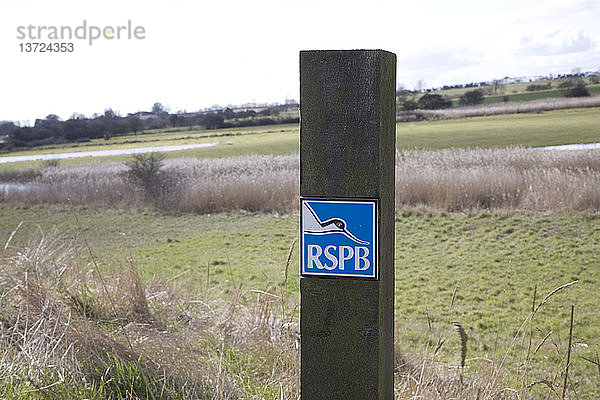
{"points": [[347, 151]]}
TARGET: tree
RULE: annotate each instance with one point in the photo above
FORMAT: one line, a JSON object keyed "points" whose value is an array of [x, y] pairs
{"points": [[110, 114], [75, 128], [408, 105], [433, 102], [572, 82], [174, 119], [77, 115], [471, 98], [6, 127], [228, 113], [135, 124], [577, 91], [158, 109], [212, 120], [145, 172], [190, 120], [51, 120]]}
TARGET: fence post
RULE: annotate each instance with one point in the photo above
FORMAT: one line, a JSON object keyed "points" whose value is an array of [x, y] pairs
{"points": [[347, 152]]}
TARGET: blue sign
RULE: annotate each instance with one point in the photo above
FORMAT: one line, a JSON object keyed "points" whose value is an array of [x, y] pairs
{"points": [[339, 237]]}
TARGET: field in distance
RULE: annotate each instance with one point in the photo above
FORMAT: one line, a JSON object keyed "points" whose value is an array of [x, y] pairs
{"points": [[528, 130], [279, 139], [518, 91], [476, 268]]}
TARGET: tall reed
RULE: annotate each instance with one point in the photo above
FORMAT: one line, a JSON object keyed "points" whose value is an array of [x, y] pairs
{"points": [[499, 179], [451, 179]]}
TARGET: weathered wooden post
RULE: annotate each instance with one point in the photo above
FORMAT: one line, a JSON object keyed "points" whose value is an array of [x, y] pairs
{"points": [[347, 151]]}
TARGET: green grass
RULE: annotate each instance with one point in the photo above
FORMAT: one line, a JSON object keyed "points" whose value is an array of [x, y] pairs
{"points": [[273, 139], [529, 130], [512, 88], [514, 92], [159, 137], [495, 261], [117, 379], [535, 95], [248, 247]]}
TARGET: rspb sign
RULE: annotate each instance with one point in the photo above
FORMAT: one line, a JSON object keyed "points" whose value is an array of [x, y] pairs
{"points": [[339, 237]]}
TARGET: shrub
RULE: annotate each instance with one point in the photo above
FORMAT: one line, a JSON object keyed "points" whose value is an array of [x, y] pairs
{"points": [[533, 87], [408, 105], [52, 163], [577, 91], [564, 84], [433, 102], [471, 98], [145, 172], [571, 82]]}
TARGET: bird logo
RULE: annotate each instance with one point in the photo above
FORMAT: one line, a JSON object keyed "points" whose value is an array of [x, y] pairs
{"points": [[313, 225]]}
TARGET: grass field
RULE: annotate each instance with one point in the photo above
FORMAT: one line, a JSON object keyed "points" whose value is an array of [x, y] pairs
{"points": [[535, 95], [161, 137], [477, 268], [279, 139], [513, 89], [528, 130], [515, 95], [490, 262], [252, 247]]}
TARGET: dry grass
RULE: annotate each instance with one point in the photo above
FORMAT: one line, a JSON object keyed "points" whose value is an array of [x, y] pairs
{"points": [[451, 179], [252, 183], [531, 106], [255, 183], [424, 378], [70, 331], [420, 375], [499, 179]]}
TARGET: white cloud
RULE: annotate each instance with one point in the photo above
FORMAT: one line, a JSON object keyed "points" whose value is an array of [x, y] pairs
{"points": [[197, 54], [557, 42], [442, 59]]}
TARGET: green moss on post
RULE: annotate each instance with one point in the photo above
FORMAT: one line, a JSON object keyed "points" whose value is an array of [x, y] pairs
{"points": [[347, 150]]}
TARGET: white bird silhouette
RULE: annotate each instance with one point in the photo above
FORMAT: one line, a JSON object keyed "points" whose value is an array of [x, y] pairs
{"points": [[313, 225]]}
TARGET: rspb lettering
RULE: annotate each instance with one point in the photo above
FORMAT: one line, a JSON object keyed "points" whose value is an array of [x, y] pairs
{"points": [[339, 237]]}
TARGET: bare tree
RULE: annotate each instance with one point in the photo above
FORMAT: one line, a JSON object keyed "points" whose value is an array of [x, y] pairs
{"points": [[420, 85]]}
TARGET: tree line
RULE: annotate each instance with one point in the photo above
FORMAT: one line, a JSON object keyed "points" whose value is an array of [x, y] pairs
{"points": [[78, 128]]}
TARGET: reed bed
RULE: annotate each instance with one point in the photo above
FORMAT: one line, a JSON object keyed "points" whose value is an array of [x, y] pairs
{"points": [[513, 179], [530, 106], [499, 179], [252, 183]]}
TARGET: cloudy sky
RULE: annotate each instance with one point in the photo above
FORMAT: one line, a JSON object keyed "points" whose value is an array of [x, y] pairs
{"points": [[195, 54]]}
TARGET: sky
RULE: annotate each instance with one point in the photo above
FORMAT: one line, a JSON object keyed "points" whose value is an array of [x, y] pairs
{"points": [[191, 55]]}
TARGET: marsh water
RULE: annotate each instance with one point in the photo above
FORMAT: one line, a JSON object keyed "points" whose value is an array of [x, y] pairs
{"points": [[105, 153]]}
